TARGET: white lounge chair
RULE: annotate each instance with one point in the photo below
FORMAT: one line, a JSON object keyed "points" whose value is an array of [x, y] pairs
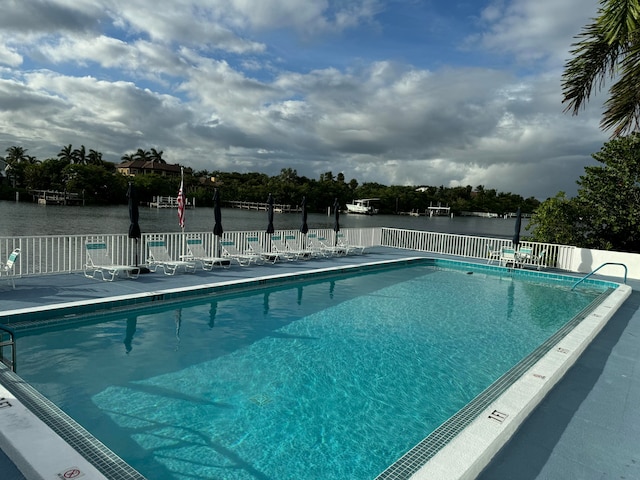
{"points": [[350, 248], [286, 247], [230, 251], [267, 256], [508, 256], [99, 262], [492, 254], [540, 259], [524, 255], [316, 247], [8, 269], [527, 258], [198, 254], [332, 250], [159, 258]]}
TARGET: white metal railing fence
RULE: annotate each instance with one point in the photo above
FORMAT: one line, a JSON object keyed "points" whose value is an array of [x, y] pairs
{"points": [[40, 255], [556, 256], [55, 254]]}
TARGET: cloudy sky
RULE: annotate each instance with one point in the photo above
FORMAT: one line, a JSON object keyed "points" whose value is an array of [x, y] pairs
{"points": [[400, 92]]}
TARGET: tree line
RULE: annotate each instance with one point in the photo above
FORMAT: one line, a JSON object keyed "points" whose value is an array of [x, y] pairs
{"points": [[85, 172]]}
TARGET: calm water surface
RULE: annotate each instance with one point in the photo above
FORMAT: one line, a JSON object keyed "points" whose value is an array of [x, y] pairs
{"points": [[33, 219]]}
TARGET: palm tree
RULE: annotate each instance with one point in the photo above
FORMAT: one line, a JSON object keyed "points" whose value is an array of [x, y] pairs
{"points": [[142, 155], [609, 48], [66, 153], [15, 155], [128, 157], [94, 157], [157, 156], [80, 155]]}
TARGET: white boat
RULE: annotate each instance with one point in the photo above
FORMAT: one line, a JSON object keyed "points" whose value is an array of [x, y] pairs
{"points": [[362, 206]]}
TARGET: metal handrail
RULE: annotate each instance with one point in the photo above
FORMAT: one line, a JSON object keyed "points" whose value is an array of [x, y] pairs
{"points": [[10, 343], [594, 271]]}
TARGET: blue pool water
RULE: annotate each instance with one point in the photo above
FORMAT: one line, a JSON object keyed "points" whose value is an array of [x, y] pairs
{"points": [[329, 379]]}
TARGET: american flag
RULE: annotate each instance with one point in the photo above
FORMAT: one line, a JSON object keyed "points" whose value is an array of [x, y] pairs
{"points": [[181, 204]]}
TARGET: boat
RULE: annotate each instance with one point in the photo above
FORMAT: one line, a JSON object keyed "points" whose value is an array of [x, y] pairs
{"points": [[362, 206]]}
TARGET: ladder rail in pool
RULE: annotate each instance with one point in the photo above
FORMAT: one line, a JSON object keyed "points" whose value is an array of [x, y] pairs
{"points": [[594, 271], [8, 343]]}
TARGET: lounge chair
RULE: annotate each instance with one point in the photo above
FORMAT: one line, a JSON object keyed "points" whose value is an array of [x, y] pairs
{"points": [[8, 269], [159, 258], [230, 251], [284, 246], [331, 250], [524, 255], [530, 259], [492, 254], [508, 256], [99, 262], [316, 247], [349, 247], [198, 254], [267, 256], [540, 259]]}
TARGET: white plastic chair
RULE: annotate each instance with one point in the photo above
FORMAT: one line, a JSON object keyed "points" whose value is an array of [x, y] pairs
{"points": [[281, 245], [159, 258], [492, 254], [8, 269], [99, 262], [256, 247], [349, 247], [230, 251], [198, 254], [508, 256]]}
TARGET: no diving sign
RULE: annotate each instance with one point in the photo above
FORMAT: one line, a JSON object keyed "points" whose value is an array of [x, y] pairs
{"points": [[73, 472]]}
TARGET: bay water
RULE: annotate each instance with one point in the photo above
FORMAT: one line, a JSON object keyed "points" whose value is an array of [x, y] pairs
{"points": [[31, 219]]}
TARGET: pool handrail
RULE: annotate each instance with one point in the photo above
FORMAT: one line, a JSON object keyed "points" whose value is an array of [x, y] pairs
{"points": [[594, 271], [8, 343]]}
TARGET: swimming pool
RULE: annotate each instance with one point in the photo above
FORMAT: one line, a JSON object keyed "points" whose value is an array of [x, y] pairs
{"points": [[324, 379]]}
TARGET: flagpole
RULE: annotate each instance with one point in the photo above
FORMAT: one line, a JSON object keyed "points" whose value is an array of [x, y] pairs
{"points": [[181, 206]]}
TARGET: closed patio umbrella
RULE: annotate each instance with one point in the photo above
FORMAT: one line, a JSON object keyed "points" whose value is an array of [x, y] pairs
{"points": [[304, 228], [134, 216], [270, 228], [336, 219], [217, 215], [516, 234]]}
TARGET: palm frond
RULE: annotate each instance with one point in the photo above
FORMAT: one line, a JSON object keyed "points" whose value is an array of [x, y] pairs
{"points": [[623, 106], [594, 61]]}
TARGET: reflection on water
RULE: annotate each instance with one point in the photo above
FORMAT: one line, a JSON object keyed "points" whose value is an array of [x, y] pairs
{"points": [[34, 219]]}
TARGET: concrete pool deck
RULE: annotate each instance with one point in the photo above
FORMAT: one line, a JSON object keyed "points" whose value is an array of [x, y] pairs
{"points": [[587, 427]]}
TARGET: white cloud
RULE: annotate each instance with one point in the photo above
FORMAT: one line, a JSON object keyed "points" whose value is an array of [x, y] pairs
{"points": [[535, 31], [197, 79]]}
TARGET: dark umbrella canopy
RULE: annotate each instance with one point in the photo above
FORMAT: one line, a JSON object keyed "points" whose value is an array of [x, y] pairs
{"points": [[217, 214], [134, 215], [270, 228], [304, 228], [516, 235], [336, 218]]}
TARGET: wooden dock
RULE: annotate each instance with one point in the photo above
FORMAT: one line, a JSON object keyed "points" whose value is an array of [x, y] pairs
{"points": [[170, 202], [53, 197], [278, 208]]}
